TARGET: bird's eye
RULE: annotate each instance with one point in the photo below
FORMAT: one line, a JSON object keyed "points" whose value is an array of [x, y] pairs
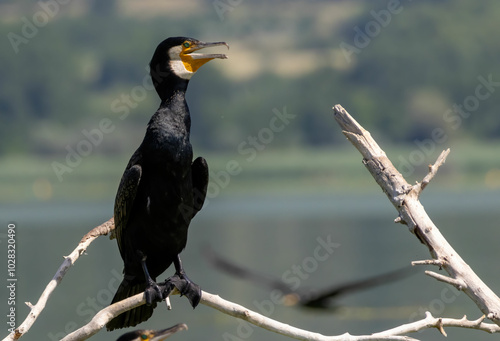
{"points": [[186, 44], [144, 337]]}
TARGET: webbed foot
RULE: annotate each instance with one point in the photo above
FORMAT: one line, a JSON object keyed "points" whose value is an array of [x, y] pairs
{"points": [[153, 293], [185, 286]]}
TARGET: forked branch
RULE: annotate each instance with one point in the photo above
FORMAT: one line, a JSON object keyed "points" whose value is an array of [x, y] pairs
{"points": [[405, 197]]}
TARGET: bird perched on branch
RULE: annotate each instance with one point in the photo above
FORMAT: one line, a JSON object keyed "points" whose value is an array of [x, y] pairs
{"points": [[162, 188], [152, 335]]}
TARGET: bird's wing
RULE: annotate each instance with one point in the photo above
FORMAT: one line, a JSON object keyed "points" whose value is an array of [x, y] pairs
{"points": [[244, 273], [199, 174], [126, 194], [320, 299], [307, 298]]}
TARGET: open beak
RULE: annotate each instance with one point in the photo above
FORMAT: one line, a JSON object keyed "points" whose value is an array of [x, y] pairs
{"points": [[201, 45], [161, 335]]}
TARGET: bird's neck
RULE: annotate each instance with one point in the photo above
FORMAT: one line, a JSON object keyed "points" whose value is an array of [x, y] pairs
{"points": [[173, 115], [169, 86], [171, 124], [167, 135]]}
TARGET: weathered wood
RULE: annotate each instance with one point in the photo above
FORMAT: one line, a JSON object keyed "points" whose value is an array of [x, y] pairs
{"points": [[405, 199]]}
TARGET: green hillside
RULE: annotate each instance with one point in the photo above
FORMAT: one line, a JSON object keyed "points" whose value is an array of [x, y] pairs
{"points": [[403, 70]]}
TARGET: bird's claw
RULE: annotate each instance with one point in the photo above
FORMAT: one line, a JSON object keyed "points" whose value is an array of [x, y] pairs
{"points": [[185, 286], [153, 293]]}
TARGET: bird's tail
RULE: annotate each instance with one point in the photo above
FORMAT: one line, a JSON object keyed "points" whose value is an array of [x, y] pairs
{"points": [[134, 316]]}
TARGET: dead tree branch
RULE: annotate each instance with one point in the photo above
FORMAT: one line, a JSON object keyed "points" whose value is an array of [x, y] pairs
{"points": [[69, 260], [238, 311], [228, 308], [405, 199], [439, 323]]}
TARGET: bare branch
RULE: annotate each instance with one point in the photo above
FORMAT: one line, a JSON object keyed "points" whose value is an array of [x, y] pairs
{"points": [[36, 309], [238, 311], [101, 230], [262, 321], [104, 316], [457, 283], [428, 262], [434, 322], [228, 308], [405, 199], [433, 170]]}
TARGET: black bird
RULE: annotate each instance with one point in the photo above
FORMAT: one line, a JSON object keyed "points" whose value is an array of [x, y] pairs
{"points": [[152, 335], [317, 299], [162, 188]]}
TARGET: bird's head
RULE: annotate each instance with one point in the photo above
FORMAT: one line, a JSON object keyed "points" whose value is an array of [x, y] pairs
{"points": [[177, 59], [152, 335]]}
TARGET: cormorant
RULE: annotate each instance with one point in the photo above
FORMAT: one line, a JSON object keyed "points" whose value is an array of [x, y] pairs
{"points": [[162, 188], [317, 299], [152, 335]]}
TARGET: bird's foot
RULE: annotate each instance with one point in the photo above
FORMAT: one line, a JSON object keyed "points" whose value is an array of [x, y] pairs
{"points": [[153, 292], [185, 286]]}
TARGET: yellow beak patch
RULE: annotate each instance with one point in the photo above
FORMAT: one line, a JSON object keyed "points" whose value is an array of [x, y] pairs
{"points": [[191, 64]]}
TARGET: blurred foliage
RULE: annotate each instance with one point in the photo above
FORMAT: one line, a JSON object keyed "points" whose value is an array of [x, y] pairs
{"points": [[425, 57]]}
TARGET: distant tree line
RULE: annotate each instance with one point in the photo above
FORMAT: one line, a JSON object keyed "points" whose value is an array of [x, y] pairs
{"points": [[429, 63]]}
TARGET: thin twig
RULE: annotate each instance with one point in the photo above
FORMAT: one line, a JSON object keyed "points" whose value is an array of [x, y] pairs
{"points": [[457, 283], [428, 262], [432, 171]]}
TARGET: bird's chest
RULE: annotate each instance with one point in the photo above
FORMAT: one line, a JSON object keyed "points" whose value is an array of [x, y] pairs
{"points": [[158, 224], [166, 172], [163, 191]]}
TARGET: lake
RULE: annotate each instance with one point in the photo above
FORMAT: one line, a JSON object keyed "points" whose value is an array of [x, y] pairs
{"points": [[273, 235]]}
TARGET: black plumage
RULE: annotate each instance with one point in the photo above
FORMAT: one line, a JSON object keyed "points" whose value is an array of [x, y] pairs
{"points": [[162, 188]]}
